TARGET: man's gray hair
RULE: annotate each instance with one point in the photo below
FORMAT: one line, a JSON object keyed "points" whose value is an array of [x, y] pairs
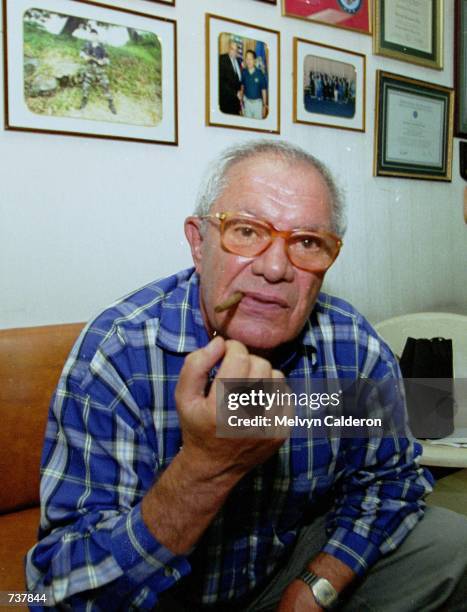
{"points": [[215, 180]]}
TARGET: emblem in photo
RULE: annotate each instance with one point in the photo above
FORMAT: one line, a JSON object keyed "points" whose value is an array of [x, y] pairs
{"points": [[350, 6]]}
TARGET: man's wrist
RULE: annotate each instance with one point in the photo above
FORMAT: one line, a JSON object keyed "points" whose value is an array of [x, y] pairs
{"points": [[199, 468], [322, 590]]}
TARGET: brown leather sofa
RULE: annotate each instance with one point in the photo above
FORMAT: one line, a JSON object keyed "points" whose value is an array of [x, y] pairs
{"points": [[31, 360]]}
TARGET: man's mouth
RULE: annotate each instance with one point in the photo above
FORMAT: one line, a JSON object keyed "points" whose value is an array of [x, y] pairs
{"points": [[265, 300]]}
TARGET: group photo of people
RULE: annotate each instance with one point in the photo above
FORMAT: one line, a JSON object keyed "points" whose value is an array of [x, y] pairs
{"points": [[243, 77], [329, 87]]}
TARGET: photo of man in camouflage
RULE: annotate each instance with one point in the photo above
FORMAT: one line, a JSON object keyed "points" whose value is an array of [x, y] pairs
{"points": [[96, 58]]}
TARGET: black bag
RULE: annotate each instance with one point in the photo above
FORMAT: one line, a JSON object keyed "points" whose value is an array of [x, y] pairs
{"points": [[430, 406]]}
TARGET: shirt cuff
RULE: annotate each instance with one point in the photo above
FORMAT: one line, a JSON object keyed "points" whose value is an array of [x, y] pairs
{"points": [[142, 558], [352, 549]]}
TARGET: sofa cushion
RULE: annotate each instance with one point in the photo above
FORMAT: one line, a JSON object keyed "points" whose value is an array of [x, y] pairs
{"points": [[18, 532], [31, 360]]}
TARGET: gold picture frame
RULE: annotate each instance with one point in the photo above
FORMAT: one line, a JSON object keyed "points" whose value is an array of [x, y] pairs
{"points": [[89, 102], [414, 123], [329, 86], [227, 79], [391, 37]]}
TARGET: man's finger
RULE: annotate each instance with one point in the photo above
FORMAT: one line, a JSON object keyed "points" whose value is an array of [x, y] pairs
{"points": [[277, 374], [195, 371], [236, 362], [259, 368]]}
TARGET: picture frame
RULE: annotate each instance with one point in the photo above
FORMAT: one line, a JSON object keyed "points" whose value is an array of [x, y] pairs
{"points": [[167, 2], [346, 14], [460, 67], [329, 86], [410, 31], [413, 128], [87, 69], [242, 75]]}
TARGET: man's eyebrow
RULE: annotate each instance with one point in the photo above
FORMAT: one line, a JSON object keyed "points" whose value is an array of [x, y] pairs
{"points": [[311, 227]]}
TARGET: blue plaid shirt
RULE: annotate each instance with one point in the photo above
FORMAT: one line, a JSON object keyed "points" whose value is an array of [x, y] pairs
{"points": [[113, 427]]}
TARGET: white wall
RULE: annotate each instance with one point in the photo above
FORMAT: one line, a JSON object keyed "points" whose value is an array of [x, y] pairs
{"points": [[84, 221]]}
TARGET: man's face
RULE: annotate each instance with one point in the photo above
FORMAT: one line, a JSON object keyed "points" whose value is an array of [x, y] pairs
{"points": [[250, 60], [233, 50], [278, 297]]}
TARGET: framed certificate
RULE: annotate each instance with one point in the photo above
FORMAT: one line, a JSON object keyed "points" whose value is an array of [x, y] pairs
{"points": [[460, 67], [410, 31], [413, 128]]}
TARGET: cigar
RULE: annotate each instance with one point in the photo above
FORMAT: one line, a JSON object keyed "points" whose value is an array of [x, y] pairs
{"points": [[229, 302]]}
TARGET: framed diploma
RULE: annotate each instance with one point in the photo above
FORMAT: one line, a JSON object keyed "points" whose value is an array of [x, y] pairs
{"points": [[413, 128], [460, 68], [410, 31]]}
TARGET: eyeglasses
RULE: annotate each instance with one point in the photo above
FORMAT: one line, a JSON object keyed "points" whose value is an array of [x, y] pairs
{"points": [[245, 235]]}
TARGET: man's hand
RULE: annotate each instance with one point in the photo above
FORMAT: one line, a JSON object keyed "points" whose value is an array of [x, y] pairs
{"points": [[298, 597], [185, 499], [198, 412]]}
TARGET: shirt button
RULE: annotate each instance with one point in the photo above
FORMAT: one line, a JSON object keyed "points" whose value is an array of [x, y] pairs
{"points": [[168, 572]]}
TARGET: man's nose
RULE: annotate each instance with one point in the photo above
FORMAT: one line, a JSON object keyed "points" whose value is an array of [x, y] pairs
{"points": [[274, 264]]}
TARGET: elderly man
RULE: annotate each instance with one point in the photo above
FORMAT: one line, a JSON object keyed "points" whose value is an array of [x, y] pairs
{"points": [[230, 77], [143, 507]]}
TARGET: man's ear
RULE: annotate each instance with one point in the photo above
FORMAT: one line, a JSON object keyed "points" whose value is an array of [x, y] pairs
{"points": [[195, 239]]}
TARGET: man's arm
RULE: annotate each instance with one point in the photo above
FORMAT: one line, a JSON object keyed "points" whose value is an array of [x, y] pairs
{"points": [[264, 94], [298, 596], [185, 500], [95, 551], [379, 497], [100, 546]]}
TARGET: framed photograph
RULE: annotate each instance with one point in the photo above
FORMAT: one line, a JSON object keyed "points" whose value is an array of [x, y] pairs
{"points": [[86, 69], [243, 75], [410, 31], [329, 86], [460, 67], [348, 14], [413, 128]]}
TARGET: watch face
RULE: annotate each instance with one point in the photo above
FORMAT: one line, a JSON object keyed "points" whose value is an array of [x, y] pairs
{"points": [[325, 594]]}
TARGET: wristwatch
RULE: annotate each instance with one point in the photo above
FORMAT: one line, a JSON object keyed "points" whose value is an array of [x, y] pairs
{"points": [[324, 593]]}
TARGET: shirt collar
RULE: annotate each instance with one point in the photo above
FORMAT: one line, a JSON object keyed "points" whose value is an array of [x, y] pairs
{"points": [[181, 326]]}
